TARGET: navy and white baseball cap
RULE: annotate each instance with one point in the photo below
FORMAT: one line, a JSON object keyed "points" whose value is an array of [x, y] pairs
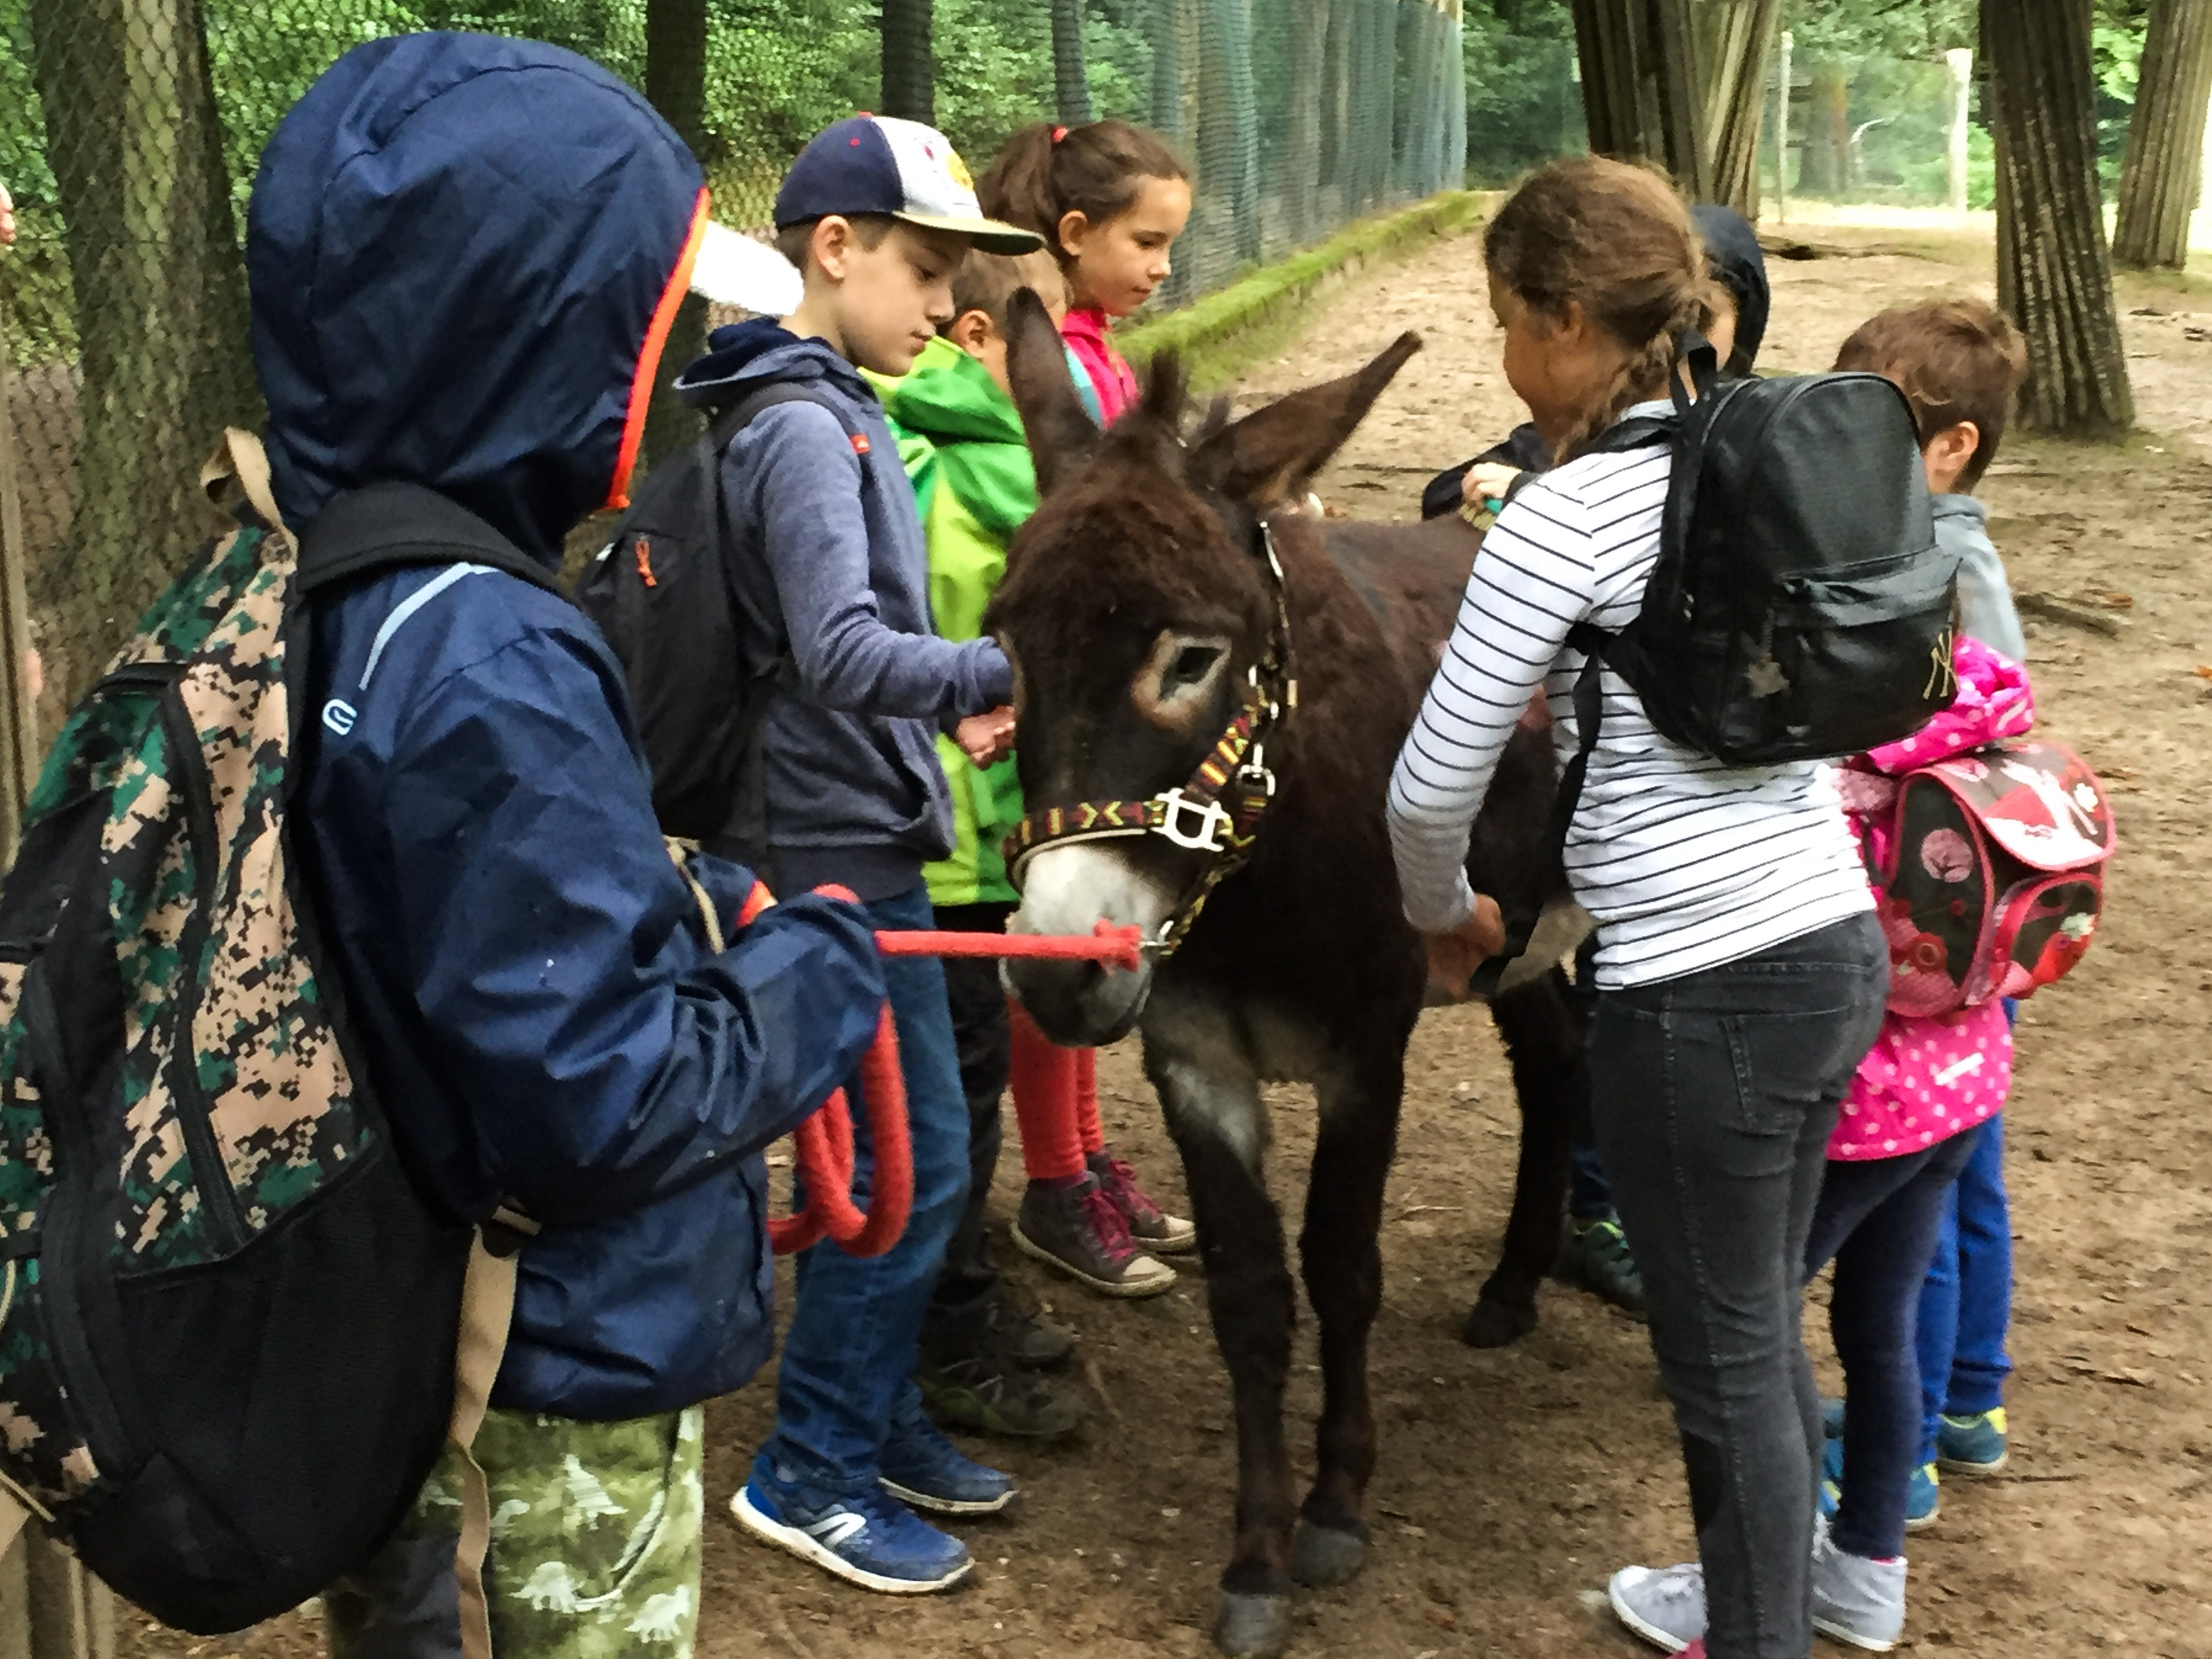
{"points": [[880, 164]]}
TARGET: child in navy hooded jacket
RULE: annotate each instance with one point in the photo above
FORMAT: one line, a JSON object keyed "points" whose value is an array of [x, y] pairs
{"points": [[458, 248]]}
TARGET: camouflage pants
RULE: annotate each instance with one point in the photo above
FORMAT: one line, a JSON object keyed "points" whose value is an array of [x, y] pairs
{"points": [[595, 1547]]}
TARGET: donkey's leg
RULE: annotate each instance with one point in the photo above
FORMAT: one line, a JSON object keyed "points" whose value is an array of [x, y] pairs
{"points": [[1341, 1253], [1542, 1026], [1213, 1102]]}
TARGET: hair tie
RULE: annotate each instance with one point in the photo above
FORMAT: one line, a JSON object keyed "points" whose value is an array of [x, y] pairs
{"points": [[1059, 133]]}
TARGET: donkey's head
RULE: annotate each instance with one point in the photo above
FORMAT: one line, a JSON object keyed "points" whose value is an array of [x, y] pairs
{"points": [[1137, 604]]}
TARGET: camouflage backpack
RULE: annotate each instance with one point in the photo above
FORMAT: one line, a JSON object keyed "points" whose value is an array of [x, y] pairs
{"points": [[227, 1322]]}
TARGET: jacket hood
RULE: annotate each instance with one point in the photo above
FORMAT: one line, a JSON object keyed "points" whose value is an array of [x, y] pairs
{"points": [[1740, 264], [975, 431], [465, 253], [760, 351]]}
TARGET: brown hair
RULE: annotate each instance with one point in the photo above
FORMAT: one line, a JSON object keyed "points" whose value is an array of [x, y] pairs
{"points": [[1617, 240], [1955, 360], [988, 281], [869, 230], [1046, 172]]}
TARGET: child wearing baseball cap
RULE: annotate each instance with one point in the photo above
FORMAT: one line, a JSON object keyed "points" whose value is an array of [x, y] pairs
{"points": [[828, 563]]}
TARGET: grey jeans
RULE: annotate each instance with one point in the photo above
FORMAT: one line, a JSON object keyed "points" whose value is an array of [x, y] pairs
{"points": [[1712, 1096]]}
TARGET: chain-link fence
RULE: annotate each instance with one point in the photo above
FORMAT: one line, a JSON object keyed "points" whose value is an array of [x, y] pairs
{"points": [[130, 129]]}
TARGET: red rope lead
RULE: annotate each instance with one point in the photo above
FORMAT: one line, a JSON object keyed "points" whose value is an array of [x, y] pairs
{"points": [[825, 1141]]}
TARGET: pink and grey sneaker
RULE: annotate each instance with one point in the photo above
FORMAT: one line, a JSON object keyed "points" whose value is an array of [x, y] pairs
{"points": [[1149, 1225], [1074, 1226]]}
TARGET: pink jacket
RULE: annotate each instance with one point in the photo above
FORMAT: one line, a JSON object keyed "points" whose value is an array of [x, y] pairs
{"points": [[1090, 334], [1925, 1080]]}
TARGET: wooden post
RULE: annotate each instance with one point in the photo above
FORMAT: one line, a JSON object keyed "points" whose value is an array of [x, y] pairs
{"points": [[1961, 59], [1781, 130]]}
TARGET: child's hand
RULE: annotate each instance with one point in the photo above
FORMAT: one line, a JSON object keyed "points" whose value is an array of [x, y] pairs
{"points": [[1487, 482], [986, 738], [1454, 957], [6, 217]]}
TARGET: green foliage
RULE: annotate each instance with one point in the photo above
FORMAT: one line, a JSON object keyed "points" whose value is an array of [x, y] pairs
{"points": [[1524, 100]]}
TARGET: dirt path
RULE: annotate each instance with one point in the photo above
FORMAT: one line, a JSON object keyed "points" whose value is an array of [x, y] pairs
{"points": [[1512, 1482]]}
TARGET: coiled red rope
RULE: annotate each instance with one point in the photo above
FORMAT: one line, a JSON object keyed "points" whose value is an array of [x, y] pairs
{"points": [[823, 1142]]}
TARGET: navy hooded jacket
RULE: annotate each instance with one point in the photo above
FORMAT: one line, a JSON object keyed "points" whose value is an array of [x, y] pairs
{"points": [[460, 251]]}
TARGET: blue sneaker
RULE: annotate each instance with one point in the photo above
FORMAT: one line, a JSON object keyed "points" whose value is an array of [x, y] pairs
{"points": [[866, 1537], [921, 1467], [1924, 1496], [1971, 1445]]}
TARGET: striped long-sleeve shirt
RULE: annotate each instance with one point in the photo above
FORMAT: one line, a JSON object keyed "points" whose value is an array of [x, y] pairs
{"points": [[1685, 863]]}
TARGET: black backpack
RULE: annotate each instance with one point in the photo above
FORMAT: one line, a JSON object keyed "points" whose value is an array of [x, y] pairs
{"points": [[1800, 609], [662, 593]]}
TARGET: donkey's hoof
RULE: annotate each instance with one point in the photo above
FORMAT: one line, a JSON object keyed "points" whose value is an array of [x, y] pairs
{"points": [[1493, 1324], [1252, 1626], [1328, 1555]]}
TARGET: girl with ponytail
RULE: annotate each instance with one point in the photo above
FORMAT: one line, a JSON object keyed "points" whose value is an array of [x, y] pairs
{"points": [[1109, 199], [1740, 974]]}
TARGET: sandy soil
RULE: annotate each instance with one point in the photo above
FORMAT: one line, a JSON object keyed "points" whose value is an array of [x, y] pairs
{"points": [[1512, 1482]]}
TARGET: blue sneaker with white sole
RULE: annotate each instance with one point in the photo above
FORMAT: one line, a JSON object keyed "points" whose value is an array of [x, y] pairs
{"points": [[865, 1537], [1924, 1496], [921, 1467], [1971, 1445]]}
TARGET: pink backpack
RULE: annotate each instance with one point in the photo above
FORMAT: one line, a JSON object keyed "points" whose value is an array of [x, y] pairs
{"points": [[1992, 878]]}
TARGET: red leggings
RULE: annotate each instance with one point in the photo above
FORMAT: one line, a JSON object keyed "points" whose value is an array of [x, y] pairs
{"points": [[1055, 1093]]}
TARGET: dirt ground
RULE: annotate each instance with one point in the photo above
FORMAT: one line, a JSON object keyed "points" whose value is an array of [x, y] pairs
{"points": [[1512, 1482]]}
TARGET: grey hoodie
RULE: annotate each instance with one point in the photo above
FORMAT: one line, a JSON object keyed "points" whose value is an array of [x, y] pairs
{"points": [[1985, 610], [828, 554]]}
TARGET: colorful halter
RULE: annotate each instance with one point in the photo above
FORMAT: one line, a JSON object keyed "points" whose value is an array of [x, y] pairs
{"points": [[1217, 811]]}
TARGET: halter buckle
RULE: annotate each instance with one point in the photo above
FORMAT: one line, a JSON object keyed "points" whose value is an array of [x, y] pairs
{"points": [[1176, 808]]}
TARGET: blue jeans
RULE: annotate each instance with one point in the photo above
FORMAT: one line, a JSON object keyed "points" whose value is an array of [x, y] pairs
{"points": [[848, 1361], [1713, 1096], [1965, 1306], [1877, 1220]]}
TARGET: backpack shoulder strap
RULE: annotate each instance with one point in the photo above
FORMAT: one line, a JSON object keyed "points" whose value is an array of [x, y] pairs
{"points": [[390, 526]]}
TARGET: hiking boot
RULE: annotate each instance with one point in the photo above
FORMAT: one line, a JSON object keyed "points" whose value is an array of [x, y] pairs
{"points": [[922, 1468], [866, 1537], [986, 1388], [1151, 1227], [1971, 1445], [1665, 1606], [1594, 1254], [1854, 1600], [1924, 1496], [1075, 1227], [1028, 1338]]}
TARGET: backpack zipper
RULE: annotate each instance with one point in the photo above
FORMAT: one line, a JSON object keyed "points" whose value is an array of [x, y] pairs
{"points": [[210, 1176]]}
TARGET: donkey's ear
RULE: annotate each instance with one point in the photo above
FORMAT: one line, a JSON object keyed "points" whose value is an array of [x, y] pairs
{"points": [[1272, 454], [1060, 433]]}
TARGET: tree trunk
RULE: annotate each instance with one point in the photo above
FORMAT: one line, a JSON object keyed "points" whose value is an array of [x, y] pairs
{"points": [[1733, 55], [1165, 35], [2165, 166], [2053, 275], [1640, 85], [1229, 124], [1825, 169], [909, 60], [160, 288], [1309, 22], [1071, 81], [676, 83]]}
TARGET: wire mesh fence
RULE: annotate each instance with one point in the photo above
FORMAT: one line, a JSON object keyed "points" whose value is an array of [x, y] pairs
{"points": [[129, 131]]}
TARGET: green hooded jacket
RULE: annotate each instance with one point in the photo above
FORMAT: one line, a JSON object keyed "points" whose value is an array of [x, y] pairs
{"points": [[960, 439]]}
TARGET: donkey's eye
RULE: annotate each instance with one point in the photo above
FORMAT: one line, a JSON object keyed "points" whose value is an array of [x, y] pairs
{"points": [[1192, 663]]}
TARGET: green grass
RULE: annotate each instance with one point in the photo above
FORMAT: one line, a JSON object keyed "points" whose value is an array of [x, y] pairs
{"points": [[1227, 331]]}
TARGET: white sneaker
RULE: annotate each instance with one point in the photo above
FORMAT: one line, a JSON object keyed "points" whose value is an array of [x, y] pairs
{"points": [[1854, 1600], [1665, 1606]]}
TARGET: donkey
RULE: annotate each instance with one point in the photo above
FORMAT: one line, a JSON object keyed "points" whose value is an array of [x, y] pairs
{"points": [[1147, 625]]}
